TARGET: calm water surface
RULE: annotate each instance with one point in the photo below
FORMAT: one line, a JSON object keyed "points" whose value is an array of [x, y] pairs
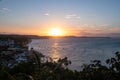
{"points": [[78, 50]]}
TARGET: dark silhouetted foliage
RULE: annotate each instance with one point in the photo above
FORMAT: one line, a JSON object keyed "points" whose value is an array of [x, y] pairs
{"points": [[37, 70]]}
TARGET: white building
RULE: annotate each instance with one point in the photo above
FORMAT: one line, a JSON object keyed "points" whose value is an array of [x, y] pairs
{"points": [[7, 42]]}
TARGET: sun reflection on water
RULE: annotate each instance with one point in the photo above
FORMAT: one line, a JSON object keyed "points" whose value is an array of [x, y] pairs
{"points": [[55, 55]]}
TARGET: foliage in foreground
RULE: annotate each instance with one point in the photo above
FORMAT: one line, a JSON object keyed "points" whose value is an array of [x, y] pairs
{"points": [[37, 70]]}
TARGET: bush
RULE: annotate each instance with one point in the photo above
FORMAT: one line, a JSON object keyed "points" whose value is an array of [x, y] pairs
{"points": [[36, 70]]}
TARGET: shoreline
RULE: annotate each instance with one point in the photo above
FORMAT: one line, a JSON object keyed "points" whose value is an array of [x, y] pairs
{"points": [[40, 67]]}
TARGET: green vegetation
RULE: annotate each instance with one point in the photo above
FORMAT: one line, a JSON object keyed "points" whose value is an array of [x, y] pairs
{"points": [[36, 69]]}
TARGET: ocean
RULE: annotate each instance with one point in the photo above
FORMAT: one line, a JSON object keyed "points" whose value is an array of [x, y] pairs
{"points": [[79, 50]]}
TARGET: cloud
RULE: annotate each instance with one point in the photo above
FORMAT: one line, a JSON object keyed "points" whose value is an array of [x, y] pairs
{"points": [[105, 25], [5, 10], [72, 16], [47, 14], [78, 17], [115, 29]]}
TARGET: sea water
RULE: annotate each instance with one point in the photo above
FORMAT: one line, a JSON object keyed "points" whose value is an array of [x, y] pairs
{"points": [[79, 50]]}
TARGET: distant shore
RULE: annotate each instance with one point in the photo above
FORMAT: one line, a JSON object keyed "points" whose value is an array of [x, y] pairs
{"points": [[47, 37]]}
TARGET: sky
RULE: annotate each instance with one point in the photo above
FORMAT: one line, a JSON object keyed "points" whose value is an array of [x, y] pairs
{"points": [[73, 17]]}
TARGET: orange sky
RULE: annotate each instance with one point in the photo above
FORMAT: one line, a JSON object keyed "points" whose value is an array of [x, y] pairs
{"points": [[66, 30]]}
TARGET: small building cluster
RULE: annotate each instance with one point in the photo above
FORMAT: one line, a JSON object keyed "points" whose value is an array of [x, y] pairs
{"points": [[8, 42], [12, 54]]}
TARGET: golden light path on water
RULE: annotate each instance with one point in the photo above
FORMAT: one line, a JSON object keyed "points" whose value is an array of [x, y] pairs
{"points": [[55, 55]]}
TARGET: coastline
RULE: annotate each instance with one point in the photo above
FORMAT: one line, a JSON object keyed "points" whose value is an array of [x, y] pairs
{"points": [[40, 67]]}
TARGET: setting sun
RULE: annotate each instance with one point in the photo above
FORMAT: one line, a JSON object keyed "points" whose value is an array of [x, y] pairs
{"points": [[55, 32]]}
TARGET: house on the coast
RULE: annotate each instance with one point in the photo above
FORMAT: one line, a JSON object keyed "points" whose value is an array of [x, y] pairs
{"points": [[8, 42]]}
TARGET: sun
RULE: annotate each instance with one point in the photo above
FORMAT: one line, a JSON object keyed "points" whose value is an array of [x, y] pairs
{"points": [[55, 32]]}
